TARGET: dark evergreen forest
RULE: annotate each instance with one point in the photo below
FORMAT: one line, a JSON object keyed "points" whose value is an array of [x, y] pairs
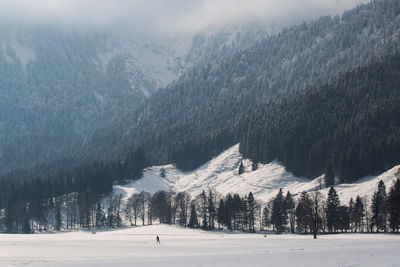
{"points": [[79, 189], [347, 126]]}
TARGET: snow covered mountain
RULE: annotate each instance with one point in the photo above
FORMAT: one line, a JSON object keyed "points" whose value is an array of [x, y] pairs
{"points": [[221, 174], [59, 87]]}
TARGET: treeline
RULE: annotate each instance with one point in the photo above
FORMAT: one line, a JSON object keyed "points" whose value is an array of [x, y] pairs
{"points": [[36, 203], [310, 212], [347, 126]]}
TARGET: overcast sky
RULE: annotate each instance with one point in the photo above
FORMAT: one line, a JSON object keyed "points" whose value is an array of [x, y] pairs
{"points": [[164, 16]]}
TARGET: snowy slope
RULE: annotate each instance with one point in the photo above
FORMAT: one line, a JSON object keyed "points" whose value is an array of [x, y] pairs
{"points": [[221, 174]]}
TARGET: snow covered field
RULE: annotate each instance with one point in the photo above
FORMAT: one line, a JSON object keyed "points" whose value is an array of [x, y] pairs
{"points": [[186, 247], [221, 173]]}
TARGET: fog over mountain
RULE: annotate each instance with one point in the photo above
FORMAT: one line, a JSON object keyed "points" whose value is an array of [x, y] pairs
{"points": [[164, 17]]}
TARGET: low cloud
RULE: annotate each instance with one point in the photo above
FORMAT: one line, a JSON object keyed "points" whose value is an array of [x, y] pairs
{"points": [[164, 16]]}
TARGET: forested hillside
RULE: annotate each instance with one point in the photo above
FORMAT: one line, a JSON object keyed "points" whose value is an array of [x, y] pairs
{"points": [[181, 124], [57, 87], [210, 46], [196, 117], [347, 126]]}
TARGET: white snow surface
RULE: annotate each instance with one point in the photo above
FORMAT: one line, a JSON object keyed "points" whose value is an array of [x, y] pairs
{"points": [[23, 53], [221, 174], [186, 247]]}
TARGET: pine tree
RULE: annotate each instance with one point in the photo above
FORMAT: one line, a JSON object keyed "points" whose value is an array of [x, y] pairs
{"points": [[221, 213], [26, 226], [304, 213], [279, 213], [254, 166], [118, 219], [265, 218], [379, 208], [251, 208], [162, 173], [110, 218], [241, 168], [99, 215], [10, 218], [359, 213], [394, 205], [237, 211], [343, 219], [211, 210], [204, 210], [182, 203], [58, 217], [193, 222], [351, 211], [229, 211], [244, 214], [332, 205], [290, 206]]}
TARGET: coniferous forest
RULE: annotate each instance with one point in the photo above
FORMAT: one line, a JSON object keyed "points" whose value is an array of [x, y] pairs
{"points": [[31, 202], [347, 126]]}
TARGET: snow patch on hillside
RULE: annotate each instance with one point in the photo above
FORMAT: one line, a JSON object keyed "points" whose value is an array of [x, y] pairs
{"points": [[146, 60], [221, 174], [23, 53]]}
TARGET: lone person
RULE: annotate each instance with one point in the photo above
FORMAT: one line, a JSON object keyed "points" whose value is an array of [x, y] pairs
{"points": [[158, 240]]}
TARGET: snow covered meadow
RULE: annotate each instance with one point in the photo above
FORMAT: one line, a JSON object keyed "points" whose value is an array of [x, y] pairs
{"points": [[186, 247]]}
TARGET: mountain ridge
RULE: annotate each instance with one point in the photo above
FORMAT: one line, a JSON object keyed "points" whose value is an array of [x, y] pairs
{"points": [[201, 101]]}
